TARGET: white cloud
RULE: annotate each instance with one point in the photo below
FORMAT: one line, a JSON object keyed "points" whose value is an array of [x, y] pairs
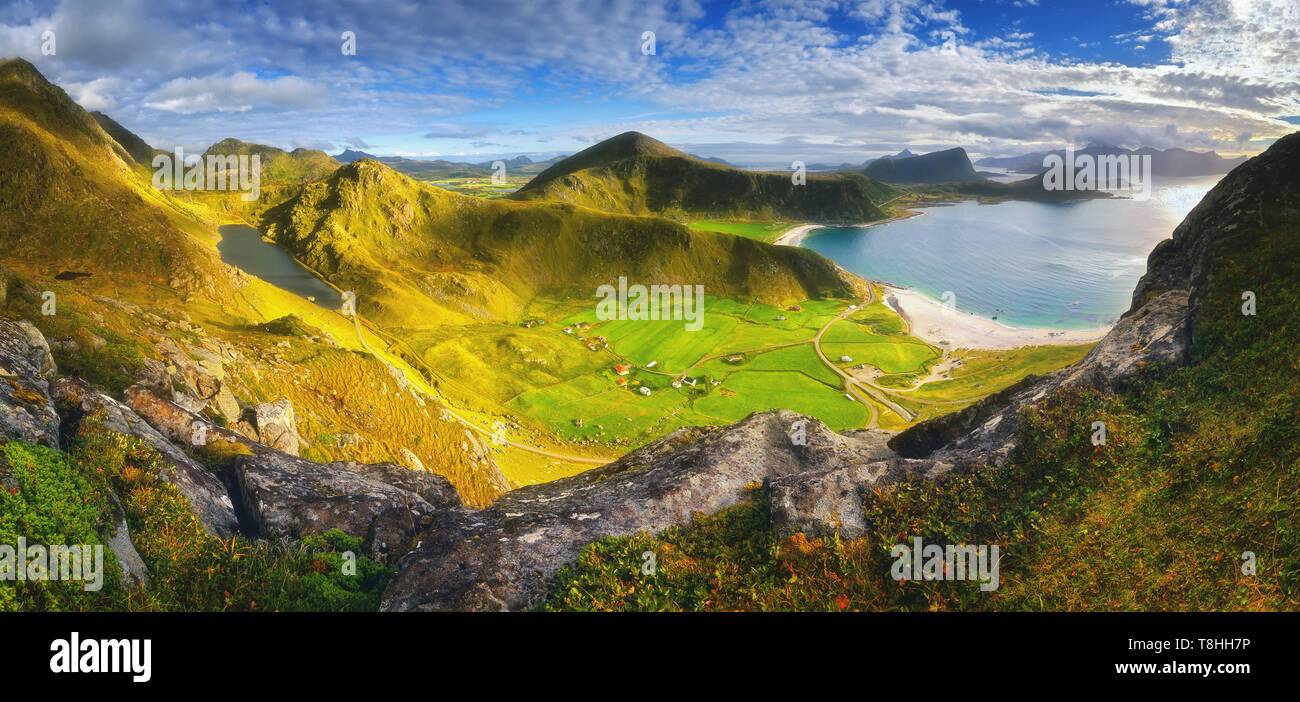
{"points": [[94, 95], [235, 93]]}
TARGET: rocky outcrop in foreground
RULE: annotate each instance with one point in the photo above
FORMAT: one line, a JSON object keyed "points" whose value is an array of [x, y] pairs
{"points": [[259, 491], [502, 557], [26, 411], [208, 497]]}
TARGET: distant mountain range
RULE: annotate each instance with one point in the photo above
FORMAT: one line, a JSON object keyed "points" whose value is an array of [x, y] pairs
{"points": [[846, 166], [440, 168], [1170, 162]]}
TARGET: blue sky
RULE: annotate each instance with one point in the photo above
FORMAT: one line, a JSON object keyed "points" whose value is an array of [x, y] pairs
{"points": [[757, 83]]}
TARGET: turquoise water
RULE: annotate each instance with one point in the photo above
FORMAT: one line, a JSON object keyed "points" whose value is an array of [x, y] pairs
{"points": [[1029, 264], [242, 247]]}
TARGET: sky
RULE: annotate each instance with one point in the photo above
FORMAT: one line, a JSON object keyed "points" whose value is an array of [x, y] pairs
{"points": [[753, 82]]}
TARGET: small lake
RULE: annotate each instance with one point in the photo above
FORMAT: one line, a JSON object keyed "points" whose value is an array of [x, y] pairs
{"points": [[1030, 264], [242, 247]]}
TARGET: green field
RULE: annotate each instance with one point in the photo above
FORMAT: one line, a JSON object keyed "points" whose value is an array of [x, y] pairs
{"points": [[891, 353], [763, 231], [552, 380], [479, 187]]}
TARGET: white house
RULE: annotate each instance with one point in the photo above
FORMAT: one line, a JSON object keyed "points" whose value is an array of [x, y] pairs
{"points": [[645, 391]]}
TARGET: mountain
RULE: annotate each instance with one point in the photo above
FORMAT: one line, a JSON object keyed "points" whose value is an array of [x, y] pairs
{"points": [[634, 174], [283, 173], [134, 145], [516, 162], [1169, 162], [439, 169], [420, 256], [950, 166], [72, 196], [420, 169], [348, 156]]}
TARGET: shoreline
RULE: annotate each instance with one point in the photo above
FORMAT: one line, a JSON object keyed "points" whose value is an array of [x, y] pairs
{"points": [[794, 236], [929, 320]]}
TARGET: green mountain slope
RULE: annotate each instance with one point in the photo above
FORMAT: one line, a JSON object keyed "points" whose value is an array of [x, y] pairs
{"points": [[635, 174], [421, 256], [72, 197], [134, 145], [152, 294], [283, 175]]}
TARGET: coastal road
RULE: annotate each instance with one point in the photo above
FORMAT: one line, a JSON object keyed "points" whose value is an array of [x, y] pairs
{"points": [[851, 383]]}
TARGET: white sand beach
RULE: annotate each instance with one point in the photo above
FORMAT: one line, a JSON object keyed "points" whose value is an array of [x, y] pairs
{"points": [[795, 235], [953, 329]]}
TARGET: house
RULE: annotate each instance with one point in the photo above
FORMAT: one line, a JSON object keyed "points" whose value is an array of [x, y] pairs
{"points": [[794, 308], [568, 330], [737, 358], [845, 359], [645, 391], [780, 318], [621, 381], [582, 325], [602, 341], [621, 369], [592, 346], [689, 381], [677, 383], [651, 364]]}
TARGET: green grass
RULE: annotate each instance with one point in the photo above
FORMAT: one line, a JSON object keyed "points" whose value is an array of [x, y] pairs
{"points": [[64, 498], [762, 231], [750, 391], [552, 379], [985, 371]]}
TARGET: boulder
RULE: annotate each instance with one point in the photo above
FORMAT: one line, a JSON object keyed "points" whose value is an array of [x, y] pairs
{"points": [[435, 489], [272, 424], [208, 498], [289, 497], [180, 425], [503, 557], [832, 499], [26, 410], [38, 349], [134, 571], [225, 404]]}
